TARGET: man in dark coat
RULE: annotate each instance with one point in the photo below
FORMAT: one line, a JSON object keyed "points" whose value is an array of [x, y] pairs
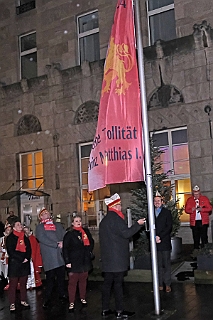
{"points": [[163, 224], [114, 244]]}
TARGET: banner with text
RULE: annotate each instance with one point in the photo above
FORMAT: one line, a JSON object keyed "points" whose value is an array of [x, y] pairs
{"points": [[117, 154]]}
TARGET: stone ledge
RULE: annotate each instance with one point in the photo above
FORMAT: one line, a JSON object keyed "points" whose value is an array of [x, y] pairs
{"points": [[137, 275], [203, 277]]}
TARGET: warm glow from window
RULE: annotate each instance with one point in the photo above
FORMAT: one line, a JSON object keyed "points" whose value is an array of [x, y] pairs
{"points": [[31, 170], [175, 158], [183, 192]]}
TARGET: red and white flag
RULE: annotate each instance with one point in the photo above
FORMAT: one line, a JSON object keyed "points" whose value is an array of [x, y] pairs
{"points": [[117, 154]]}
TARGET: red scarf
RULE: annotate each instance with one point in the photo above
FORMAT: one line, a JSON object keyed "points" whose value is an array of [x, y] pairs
{"points": [[49, 225], [84, 235], [20, 246], [119, 213]]}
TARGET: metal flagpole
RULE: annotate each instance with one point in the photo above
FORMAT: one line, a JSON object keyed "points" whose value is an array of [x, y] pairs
{"points": [[147, 159]]}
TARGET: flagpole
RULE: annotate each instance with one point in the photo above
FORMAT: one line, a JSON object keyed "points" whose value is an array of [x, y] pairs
{"points": [[147, 159]]}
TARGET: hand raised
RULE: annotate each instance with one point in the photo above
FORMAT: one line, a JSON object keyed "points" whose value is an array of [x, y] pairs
{"points": [[141, 221]]}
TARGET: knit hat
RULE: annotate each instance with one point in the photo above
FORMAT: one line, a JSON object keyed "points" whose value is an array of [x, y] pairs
{"points": [[113, 200], [196, 188]]}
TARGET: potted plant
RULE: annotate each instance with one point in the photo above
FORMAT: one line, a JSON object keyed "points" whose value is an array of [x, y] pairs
{"points": [[205, 258], [204, 272]]}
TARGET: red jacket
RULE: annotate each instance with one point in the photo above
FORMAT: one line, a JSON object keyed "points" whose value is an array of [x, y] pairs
{"points": [[205, 212], [36, 254]]}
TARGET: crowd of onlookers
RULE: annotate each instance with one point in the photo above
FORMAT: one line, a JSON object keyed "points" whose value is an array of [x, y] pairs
{"points": [[23, 255]]}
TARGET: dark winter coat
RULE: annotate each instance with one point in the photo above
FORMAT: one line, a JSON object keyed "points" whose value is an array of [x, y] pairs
{"points": [[114, 242], [16, 267], [76, 253], [163, 224]]}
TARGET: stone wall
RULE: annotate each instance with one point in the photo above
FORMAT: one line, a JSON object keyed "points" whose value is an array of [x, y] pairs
{"points": [[184, 67], [54, 100], [56, 30]]}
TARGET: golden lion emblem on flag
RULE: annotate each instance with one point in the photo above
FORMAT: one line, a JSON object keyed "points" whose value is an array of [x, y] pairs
{"points": [[118, 62]]}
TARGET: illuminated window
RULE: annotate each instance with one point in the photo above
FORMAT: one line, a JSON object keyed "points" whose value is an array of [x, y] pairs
{"points": [[175, 159], [31, 170], [28, 56], [88, 37], [91, 202], [160, 16]]}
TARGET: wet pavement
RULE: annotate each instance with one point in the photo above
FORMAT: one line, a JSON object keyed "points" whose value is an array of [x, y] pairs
{"points": [[187, 301]]}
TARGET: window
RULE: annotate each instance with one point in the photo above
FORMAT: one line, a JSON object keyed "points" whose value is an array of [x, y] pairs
{"points": [[175, 158], [88, 37], [161, 15], [92, 203], [28, 55], [24, 6], [31, 170]]}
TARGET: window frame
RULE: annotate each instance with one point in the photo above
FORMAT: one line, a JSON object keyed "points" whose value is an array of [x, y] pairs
{"points": [[154, 12], [98, 199], [172, 178], [25, 7], [33, 178], [26, 52], [18, 2], [170, 145], [84, 186], [86, 33]]}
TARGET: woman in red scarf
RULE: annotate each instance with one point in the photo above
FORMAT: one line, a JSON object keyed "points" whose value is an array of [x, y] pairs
{"points": [[19, 251], [77, 247]]}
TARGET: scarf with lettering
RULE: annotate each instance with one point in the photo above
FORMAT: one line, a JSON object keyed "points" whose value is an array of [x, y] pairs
{"points": [[49, 225], [20, 246], [119, 213], [84, 235]]}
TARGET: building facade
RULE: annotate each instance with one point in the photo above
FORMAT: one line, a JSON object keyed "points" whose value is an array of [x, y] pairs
{"points": [[51, 68]]}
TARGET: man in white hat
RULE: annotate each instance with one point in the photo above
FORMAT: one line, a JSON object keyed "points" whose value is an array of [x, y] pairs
{"points": [[199, 208], [114, 243]]}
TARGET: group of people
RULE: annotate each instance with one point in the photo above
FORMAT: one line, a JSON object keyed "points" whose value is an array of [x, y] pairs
{"points": [[114, 244], [51, 249], [34, 279], [57, 250], [114, 235]]}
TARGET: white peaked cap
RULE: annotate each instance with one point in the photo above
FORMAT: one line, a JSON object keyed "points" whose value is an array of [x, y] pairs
{"points": [[196, 188], [157, 194], [113, 200]]}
